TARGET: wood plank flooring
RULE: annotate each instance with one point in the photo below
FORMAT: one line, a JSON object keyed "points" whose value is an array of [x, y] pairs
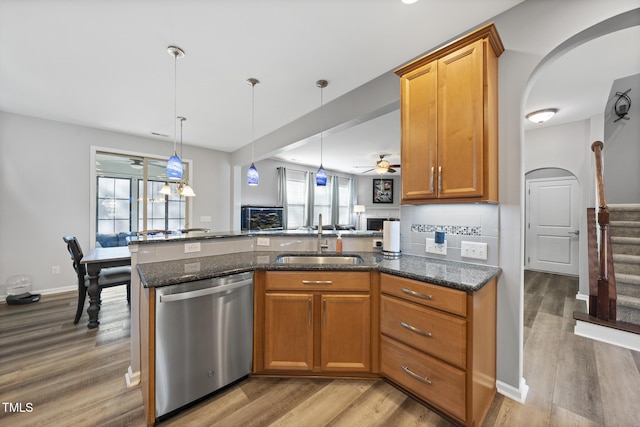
{"points": [[73, 376]]}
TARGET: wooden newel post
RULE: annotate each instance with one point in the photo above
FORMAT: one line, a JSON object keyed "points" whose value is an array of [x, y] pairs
{"points": [[606, 299]]}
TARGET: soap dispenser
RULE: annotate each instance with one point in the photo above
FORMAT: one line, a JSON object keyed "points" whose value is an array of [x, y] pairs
{"points": [[339, 244]]}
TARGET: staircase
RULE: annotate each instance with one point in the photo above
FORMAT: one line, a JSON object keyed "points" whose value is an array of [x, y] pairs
{"points": [[624, 227]]}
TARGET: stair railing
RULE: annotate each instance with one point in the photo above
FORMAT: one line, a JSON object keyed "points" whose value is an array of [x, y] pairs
{"points": [[602, 283]]}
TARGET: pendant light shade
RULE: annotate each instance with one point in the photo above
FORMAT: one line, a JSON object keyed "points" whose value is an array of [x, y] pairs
{"points": [[166, 189], [174, 165], [253, 178], [186, 190], [321, 175]]}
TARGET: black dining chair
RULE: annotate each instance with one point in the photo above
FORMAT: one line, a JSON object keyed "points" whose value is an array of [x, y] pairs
{"points": [[108, 277]]}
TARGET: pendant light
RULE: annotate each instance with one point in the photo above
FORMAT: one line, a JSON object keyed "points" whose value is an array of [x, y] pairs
{"points": [[174, 164], [185, 189], [252, 174], [321, 175]]}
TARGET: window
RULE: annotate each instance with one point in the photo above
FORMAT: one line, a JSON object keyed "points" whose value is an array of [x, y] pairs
{"points": [[296, 198], [344, 200], [163, 212], [299, 207], [114, 205], [120, 195]]}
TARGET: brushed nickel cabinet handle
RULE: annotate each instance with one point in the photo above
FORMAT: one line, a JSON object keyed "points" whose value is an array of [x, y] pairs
{"points": [[310, 310], [439, 179], [324, 313], [416, 294], [433, 177], [317, 282], [416, 330], [425, 380]]}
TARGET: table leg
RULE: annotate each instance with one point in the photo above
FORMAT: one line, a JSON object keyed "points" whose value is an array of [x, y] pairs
{"points": [[93, 271]]}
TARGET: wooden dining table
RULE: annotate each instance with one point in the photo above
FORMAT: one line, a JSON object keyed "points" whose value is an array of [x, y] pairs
{"points": [[94, 261]]}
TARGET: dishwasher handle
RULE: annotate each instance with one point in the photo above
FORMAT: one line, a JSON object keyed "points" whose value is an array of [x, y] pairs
{"points": [[206, 291]]}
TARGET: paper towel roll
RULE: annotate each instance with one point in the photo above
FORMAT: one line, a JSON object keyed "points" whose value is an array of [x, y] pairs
{"points": [[391, 237]]}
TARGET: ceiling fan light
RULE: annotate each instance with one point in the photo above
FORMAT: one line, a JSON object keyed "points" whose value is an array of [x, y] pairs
{"points": [[252, 175], [321, 177], [541, 116], [174, 167], [137, 164]]}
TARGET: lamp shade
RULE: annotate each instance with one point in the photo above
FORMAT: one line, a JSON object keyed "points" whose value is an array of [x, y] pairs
{"points": [[321, 177], [252, 175], [187, 191], [174, 167], [358, 208]]}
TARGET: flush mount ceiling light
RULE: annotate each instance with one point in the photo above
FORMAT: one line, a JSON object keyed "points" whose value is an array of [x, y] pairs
{"points": [[174, 164], [252, 174], [409, 1], [541, 116], [321, 175]]}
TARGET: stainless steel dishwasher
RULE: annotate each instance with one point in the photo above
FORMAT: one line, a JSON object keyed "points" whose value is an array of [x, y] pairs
{"points": [[204, 338]]}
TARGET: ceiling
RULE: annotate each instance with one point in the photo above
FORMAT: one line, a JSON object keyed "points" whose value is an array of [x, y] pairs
{"points": [[105, 65]]}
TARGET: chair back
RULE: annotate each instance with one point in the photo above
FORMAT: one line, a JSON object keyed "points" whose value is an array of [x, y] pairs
{"points": [[76, 256]]}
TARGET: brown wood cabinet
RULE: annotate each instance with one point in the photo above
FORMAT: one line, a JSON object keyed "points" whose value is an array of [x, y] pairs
{"points": [[449, 120], [312, 322], [439, 344]]}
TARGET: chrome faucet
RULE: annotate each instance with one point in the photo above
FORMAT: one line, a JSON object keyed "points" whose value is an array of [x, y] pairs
{"points": [[321, 245]]}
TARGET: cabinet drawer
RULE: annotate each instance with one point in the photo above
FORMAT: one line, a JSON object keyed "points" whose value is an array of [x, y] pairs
{"points": [[439, 297], [317, 280], [433, 332], [429, 379]]}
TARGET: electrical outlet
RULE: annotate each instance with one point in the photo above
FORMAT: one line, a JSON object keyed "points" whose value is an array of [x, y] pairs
{"points": [[436, 248], [55, 269], [263, 241], [474, 250], [377, 243], [191, 247]]}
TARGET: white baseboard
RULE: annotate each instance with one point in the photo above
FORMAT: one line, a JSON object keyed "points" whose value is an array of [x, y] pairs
{"points": [[132, 378], [517, 394], [607, 335]]}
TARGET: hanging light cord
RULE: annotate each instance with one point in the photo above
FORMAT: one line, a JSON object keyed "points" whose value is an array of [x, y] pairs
{"points": [[321, 120], [253, 115], [175, 102]]}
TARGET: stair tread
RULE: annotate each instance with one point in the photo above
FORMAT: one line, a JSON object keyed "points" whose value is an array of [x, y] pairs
{"points": [[628, 301], [624, 224], [627, 278], [624, 207], [626, 259], [625, 240]]}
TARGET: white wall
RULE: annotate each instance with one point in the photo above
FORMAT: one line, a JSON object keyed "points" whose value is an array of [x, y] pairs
{"points": [[621, 151], [568, 147], [45, 186]]}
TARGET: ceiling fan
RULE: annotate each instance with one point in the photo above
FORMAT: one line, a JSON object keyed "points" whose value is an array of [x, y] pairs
{"points": [[382, 166]]}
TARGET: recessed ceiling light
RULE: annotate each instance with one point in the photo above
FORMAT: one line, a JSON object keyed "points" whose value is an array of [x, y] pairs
{"points": [[541, 116], [409, 1]]}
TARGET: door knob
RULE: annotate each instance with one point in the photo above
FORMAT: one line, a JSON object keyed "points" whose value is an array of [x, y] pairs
{"points": [[576, 232]]}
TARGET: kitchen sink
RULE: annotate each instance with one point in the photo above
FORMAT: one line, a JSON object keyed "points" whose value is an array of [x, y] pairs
{"points": [[319, 259]]}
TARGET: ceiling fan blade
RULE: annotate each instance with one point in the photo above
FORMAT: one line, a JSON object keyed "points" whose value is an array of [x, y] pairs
{"points": [[391, 170], [367, 171], [394, 166]]}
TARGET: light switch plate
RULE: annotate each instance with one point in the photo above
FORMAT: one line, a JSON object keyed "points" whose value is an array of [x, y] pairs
{"points": [[436, 248], [475, 250]]}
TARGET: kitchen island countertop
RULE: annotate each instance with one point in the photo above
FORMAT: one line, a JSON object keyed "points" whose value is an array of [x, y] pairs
{"points": [[453, 274]]}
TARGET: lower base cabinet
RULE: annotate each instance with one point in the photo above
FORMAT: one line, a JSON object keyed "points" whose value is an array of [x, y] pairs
{"points": [[439, 345], [318, 323]]}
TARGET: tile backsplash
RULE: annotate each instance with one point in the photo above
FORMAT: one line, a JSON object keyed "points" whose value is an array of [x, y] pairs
{"points": [[463, 222]]}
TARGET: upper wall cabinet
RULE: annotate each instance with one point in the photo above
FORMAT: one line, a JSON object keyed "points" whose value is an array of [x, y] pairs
{"points": [[449, 115]]}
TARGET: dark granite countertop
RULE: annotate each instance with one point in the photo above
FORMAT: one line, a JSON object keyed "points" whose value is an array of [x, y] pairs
{"points": [[452, 274], [209, 235]]}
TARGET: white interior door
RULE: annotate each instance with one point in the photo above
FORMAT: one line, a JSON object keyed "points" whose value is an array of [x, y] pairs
{"points": [[552, 225]]}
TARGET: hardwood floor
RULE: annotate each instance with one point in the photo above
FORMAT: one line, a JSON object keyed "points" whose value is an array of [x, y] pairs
{"points": [[72, 376]]}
